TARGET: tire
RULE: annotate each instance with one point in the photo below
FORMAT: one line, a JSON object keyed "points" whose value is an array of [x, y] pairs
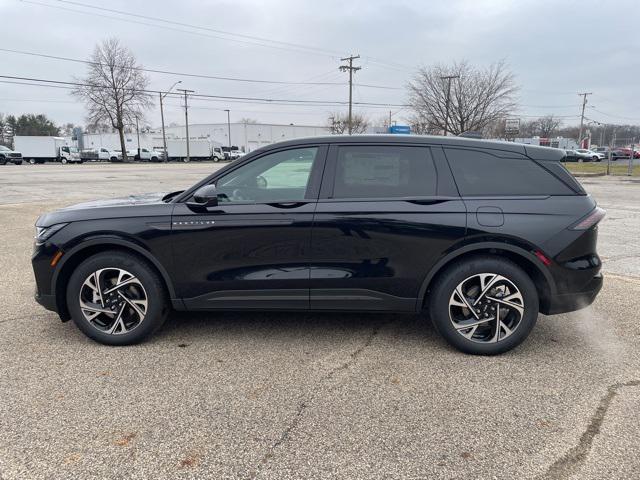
{"points": [[113, 159], [596, 159], [18, 162], [216, 159], [32, 161], [3, 161], [63, 161], [185, 160], [154, 159], [446, 306], [146, 284]]}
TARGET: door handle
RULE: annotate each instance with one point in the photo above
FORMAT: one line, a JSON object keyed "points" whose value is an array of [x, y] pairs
{"points": [[287, 204]]}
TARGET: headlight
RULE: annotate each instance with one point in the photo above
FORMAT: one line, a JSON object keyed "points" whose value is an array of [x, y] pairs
{"points": [[44, 233]]}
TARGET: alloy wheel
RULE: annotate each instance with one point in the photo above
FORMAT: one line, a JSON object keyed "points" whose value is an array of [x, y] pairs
{"points": [[486, 308], [113, 301]]}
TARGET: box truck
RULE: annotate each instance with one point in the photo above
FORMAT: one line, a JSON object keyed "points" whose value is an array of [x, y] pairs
{"points": [[37, 149], [198, 150]]}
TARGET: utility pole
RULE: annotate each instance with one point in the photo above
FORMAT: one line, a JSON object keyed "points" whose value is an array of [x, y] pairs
{"points": [[164, 137], [584, 104], [229, 128], [138, 134], [350, 68], [186, 118], [448, 78]]}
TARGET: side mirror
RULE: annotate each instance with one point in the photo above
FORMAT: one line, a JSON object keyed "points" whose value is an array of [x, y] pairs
{"points": [[204, 197]]}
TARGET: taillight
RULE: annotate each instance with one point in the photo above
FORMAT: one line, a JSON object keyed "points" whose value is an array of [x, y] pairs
{"points": [[590, 220]]}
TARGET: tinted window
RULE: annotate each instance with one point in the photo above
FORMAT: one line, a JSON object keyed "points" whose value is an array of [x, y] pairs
{"points": [[384, 171], [274, 177], [480, 173]]}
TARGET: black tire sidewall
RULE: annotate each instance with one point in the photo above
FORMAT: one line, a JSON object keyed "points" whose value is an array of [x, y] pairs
{"points": [[449, 280], [154, 288]]}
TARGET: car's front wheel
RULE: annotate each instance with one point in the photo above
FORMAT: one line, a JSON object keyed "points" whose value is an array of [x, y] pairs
{"points": [[116, 298], [484, 305]]}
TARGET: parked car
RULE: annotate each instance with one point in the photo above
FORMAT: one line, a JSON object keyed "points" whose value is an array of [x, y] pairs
{"points": [[147, 155], [576, 156], [338, 223], [100, 154], [9, 156], [595, 156], [619, 154], [627, 152]]}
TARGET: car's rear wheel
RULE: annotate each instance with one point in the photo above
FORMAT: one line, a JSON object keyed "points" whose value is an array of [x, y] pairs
{"points": [[484, 305], [116, 298]]}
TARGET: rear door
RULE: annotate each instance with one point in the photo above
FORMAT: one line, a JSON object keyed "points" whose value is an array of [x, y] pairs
{"points": [[386, 214]]}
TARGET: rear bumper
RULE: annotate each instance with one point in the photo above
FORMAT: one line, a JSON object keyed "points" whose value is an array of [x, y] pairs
{"points": [[569, 302]]}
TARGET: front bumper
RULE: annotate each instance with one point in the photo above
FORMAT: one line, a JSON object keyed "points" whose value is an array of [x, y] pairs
{"points": [[47, 301], [570, 302]]}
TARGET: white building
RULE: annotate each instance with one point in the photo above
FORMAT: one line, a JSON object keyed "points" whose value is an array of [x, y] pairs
{"points": [[247, 137]]}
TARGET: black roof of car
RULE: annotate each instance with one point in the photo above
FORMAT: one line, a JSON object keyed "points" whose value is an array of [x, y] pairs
{"points": [[532, 151]]}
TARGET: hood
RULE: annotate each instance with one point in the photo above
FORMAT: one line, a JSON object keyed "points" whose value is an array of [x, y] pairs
{"points": [[141, 199], [143, 205]]}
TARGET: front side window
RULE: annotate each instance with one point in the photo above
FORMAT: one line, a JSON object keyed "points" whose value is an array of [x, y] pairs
{"points": [[384, 172], [481, 173], [279, 176]]}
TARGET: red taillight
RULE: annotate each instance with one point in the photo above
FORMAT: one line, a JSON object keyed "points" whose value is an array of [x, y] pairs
{"points": [[590, 220]]}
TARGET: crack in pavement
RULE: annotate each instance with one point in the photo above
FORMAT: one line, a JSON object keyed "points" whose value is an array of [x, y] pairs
{"points": [[571, 461], [295, 421]]}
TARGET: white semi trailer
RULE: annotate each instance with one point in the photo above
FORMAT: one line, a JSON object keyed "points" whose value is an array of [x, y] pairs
{"points": [[38, 149]]}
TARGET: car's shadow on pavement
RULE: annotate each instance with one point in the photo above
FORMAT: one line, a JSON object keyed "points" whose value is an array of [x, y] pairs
{"points": [[286, 325]]}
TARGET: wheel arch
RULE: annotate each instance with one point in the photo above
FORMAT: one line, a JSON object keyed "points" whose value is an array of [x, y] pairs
{"points": [[544, 282], [71, 259]]}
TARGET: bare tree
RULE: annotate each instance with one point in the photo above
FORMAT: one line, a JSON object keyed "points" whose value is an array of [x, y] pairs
{"points": [[338, 123], [114, 89], [477, 98], [547, 126]]}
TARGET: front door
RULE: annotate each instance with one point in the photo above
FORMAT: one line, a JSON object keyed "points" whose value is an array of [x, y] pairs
{"points": [[252, 250]]}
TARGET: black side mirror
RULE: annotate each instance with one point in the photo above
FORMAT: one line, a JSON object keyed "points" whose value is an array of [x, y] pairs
{"points": [[204, 197]]}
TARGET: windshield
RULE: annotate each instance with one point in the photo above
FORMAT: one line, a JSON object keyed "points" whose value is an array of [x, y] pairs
{"points": [[4, 149]]}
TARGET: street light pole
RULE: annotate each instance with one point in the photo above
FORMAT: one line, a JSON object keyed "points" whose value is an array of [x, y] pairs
{"points": [[229, 128], [164, 137]]}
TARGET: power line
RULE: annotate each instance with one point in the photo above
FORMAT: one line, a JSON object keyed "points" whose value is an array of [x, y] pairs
{"points": [[72, 85], [192, 75], [215, 33]]}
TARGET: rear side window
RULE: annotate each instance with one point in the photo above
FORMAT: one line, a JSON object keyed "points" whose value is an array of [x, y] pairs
{"points": [[480, 173], [384, 172]]}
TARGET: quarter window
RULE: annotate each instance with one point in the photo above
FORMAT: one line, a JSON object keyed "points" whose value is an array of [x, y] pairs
{"points": [[481, 173], [384, 172], [279, 176]]}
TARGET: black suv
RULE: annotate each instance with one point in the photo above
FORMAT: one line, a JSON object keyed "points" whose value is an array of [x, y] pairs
{"points": [[479, 235]]}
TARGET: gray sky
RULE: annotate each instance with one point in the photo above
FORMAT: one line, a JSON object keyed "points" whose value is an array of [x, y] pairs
{"points": [[555, 48]]}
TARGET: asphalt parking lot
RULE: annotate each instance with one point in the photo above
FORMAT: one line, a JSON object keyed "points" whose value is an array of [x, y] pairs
{"points": [[277, 395]]}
